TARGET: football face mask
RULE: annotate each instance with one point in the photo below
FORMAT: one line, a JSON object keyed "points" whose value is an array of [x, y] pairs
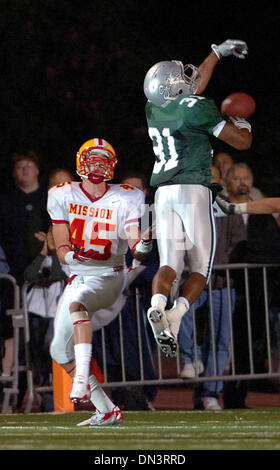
{"points": [[96, 161]]}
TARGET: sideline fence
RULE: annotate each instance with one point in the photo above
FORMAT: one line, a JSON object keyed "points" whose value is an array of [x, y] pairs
{"points": [[19, 314], [161, 361]]}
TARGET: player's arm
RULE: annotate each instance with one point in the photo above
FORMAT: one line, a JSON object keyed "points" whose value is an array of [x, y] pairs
{"points": [[267, 205], [237, 134], [139, 247], [60, 225], [206, 70], [61, 232], [229, 47], [61, 237], [65, 253]]}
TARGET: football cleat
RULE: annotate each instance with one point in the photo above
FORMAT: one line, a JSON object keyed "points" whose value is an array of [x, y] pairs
{"points": [[174, 317], [211, 404], [104, 419], [162, 334], [80, 390]]}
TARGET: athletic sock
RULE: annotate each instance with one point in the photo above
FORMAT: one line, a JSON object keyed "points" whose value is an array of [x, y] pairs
{"points": [[83, 354], [159, 301], [98, 397], [182, 305]]}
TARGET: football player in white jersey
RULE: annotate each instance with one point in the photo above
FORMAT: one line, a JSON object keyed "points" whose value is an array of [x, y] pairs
{"points": [[94, 223]]}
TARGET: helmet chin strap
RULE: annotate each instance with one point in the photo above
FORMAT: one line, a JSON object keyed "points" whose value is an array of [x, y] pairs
{"points": [[95, 179]]}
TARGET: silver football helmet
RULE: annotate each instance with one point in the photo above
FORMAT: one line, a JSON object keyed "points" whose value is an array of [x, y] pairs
{"points": [[168, 79]]}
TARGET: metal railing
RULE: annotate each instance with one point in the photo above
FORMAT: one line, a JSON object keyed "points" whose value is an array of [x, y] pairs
{"points": [[18, 320], [175, 369], [162, 364]]}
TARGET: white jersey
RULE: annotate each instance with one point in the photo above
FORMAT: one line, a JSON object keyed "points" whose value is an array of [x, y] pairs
{"points": [[97, 224]]}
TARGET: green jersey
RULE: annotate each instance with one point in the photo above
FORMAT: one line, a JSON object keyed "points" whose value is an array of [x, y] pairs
{"points": [[181, 139]]}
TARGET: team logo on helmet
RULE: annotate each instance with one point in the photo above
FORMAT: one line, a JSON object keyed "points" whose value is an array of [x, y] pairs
{"points": [[96, 160]]}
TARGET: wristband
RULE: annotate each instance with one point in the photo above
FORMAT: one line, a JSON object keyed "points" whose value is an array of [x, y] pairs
{"points": [[241, 208], [214, 48], [69, 258]]}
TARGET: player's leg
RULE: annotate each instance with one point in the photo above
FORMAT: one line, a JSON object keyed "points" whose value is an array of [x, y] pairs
{"points": [[156, 313], [190, 290], [106, 411], [108, 289], [96, 294], [83, 352], [62, 345], [170, 239], [62, 351], [197, 216]]}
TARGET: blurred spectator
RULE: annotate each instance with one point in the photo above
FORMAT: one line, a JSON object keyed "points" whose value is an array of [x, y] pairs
{"points": [[132, 397], [262, 246], [58, 176], [223, 161], [22, 213], [4, 267], [6, 347], [216, 175], [230, 231], [46, 277]]}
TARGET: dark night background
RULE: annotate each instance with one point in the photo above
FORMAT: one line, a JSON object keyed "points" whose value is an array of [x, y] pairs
{"points": [[74, 70]]}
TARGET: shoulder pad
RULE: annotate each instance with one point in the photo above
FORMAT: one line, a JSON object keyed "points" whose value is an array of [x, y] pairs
{"points": [[61, 185], [127, 187]]}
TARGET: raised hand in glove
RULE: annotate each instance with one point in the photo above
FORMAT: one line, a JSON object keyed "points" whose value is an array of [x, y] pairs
{"points": [[230, 207], [231, 47]]}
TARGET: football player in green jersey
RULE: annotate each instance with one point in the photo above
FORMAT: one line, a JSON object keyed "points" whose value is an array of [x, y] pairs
{"points": [[180, 124]]}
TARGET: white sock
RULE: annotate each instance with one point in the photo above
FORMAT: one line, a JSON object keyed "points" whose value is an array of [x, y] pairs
{"points": [[98, 397], [159, 301], [182, 305], [83, 354]]}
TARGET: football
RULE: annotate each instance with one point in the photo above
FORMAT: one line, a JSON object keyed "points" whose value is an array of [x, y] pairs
{"points": [[238, 104]]}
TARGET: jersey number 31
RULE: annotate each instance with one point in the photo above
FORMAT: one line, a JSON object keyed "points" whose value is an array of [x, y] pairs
{"points": [[159, 139]]}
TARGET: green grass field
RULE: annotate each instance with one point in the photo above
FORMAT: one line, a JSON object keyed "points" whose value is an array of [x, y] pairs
{"points": [[147, 430]]}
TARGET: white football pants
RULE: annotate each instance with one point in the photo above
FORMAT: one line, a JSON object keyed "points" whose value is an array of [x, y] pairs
{"points": [[102, 297], [185, 223]]}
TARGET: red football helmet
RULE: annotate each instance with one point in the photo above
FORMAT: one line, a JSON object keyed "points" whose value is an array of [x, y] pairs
{"points": [[96, 160]]}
